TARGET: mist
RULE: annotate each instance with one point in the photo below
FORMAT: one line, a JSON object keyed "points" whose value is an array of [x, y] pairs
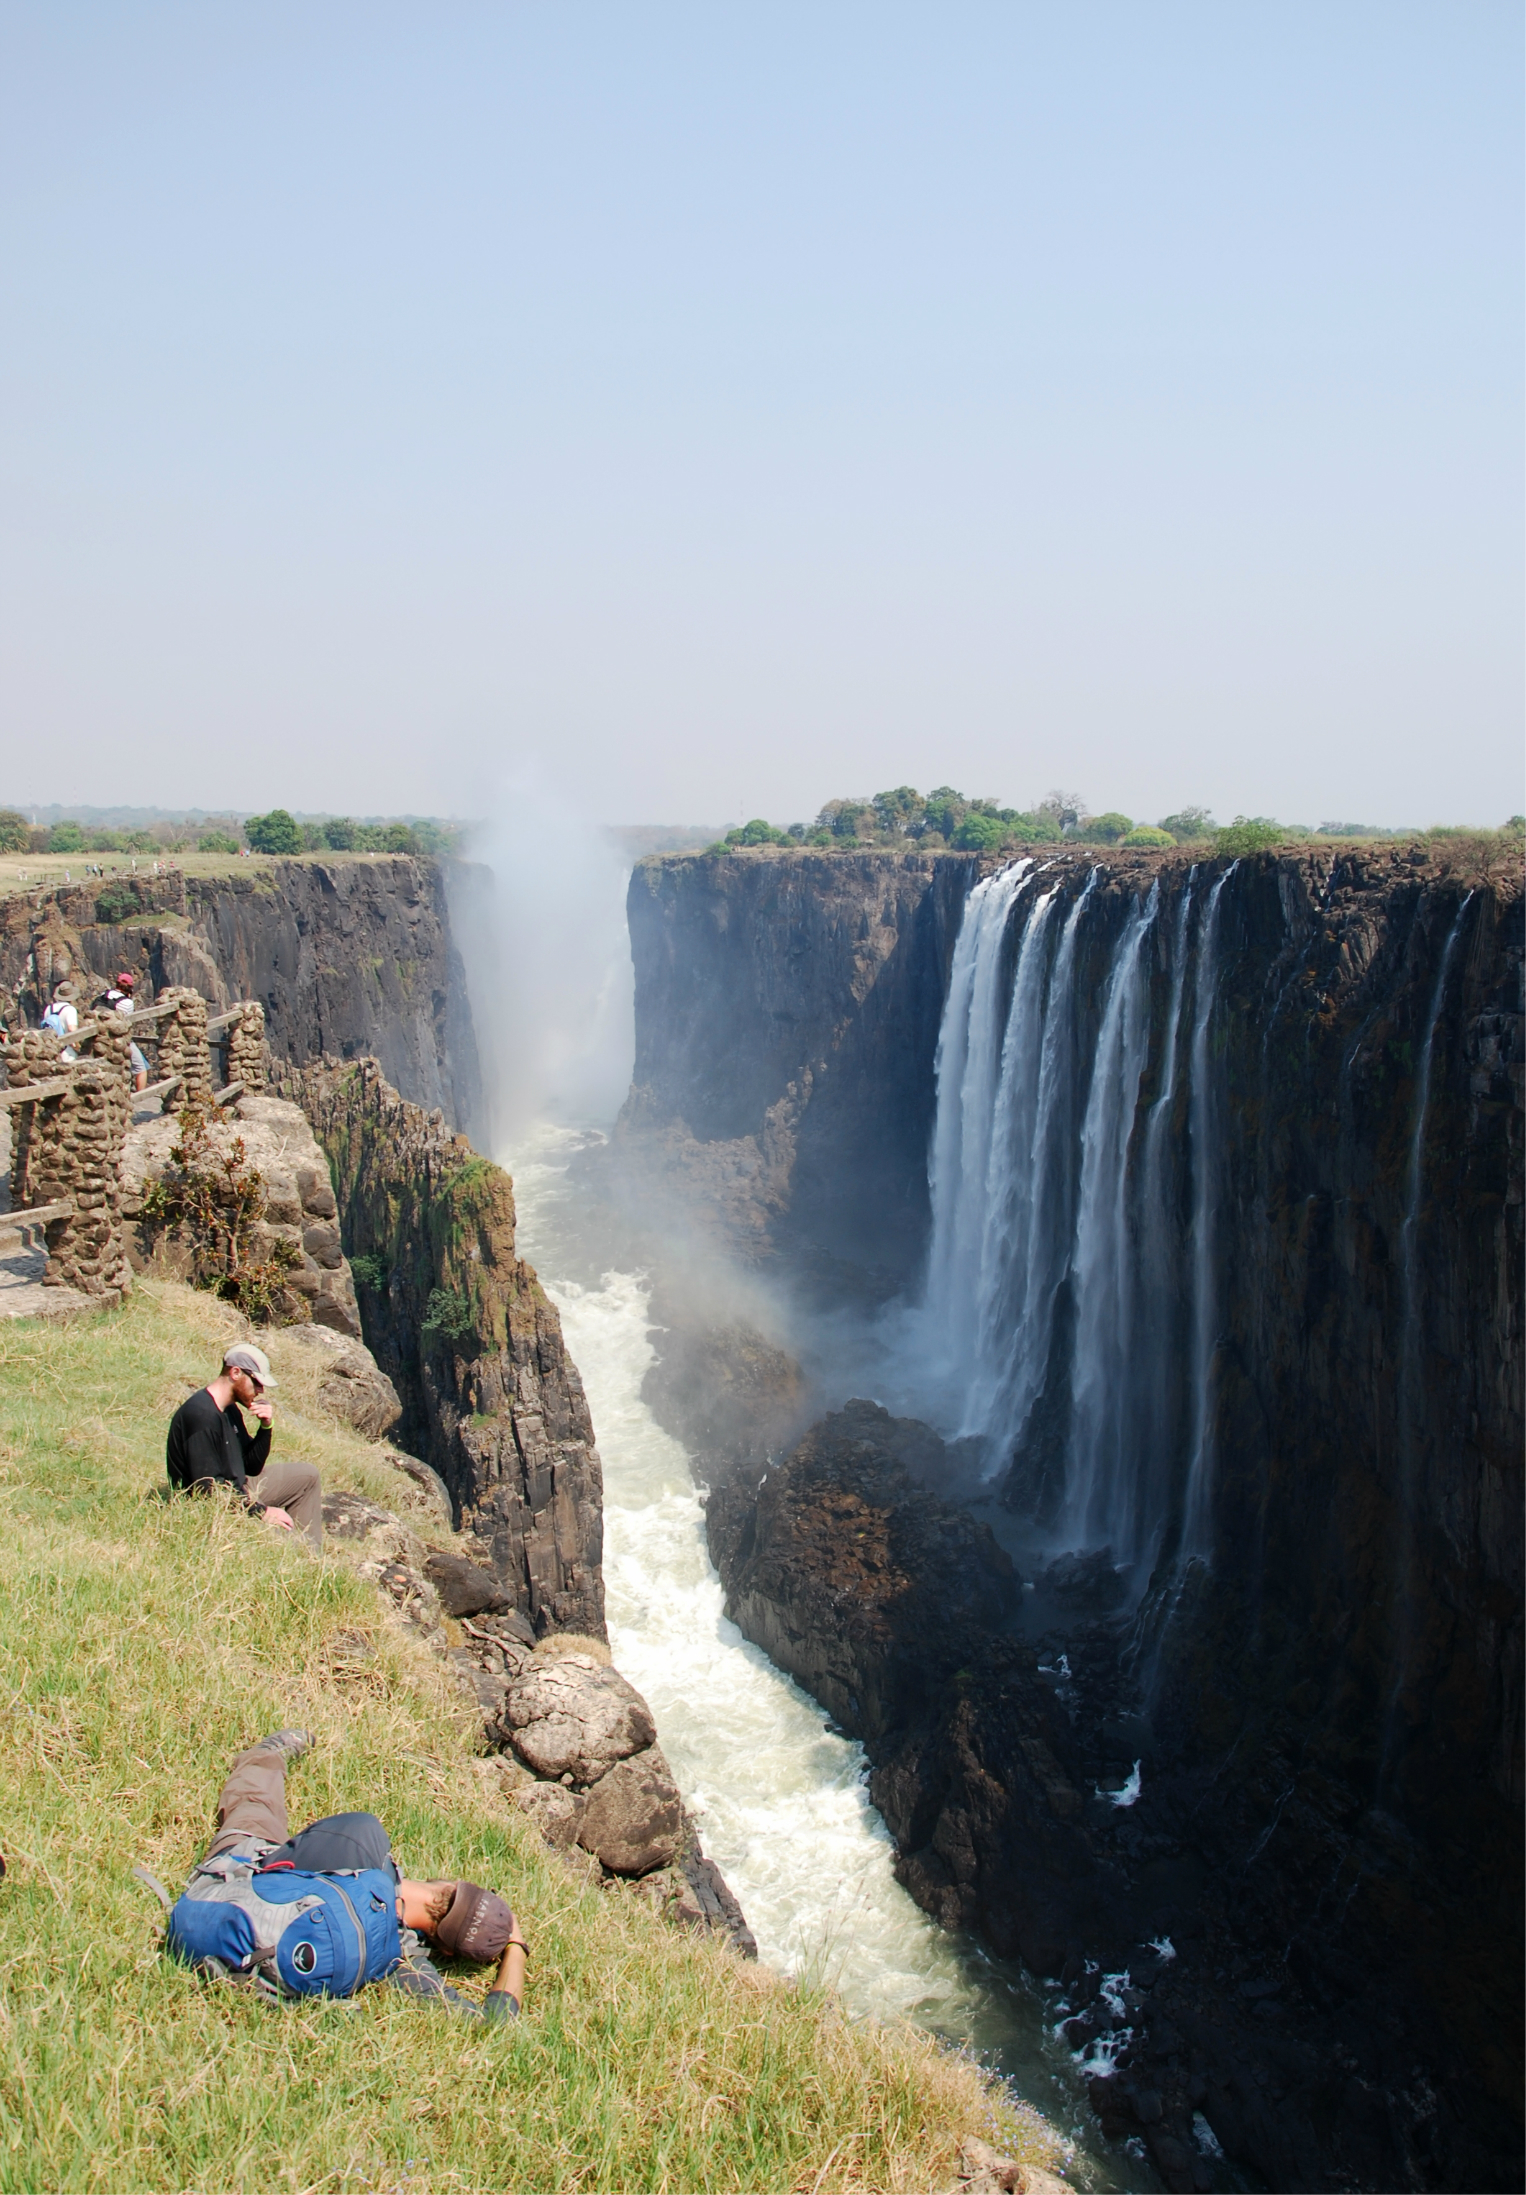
{"points": [[538, 912]]}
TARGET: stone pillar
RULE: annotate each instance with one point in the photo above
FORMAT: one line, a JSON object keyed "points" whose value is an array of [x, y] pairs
{"points": [[246, 1045], [183, 1046], [70, 1147]]}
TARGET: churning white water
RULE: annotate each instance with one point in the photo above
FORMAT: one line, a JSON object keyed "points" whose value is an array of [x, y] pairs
{"points": [[781, 1799]]}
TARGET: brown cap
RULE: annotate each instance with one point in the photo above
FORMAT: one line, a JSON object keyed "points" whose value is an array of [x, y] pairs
{"points": [[477, 1926]]}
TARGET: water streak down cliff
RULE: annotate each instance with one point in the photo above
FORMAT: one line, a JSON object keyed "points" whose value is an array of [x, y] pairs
{"points": [[1225, 1255]]}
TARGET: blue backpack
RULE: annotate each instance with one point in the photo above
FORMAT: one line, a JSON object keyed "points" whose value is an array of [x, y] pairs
{"points": [[300, 1935]]}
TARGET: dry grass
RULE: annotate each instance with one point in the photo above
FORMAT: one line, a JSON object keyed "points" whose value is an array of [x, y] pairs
{"points": [[144, 1644]]}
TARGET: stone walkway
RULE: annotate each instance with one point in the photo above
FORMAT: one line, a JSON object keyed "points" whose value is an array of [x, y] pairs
{"points": [[22, 1295]]}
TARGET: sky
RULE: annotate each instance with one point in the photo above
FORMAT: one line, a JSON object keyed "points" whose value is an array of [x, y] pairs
{"points": [[682, 413]]}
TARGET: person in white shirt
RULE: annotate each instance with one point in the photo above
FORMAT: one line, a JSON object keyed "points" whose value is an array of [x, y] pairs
{"points": [[119, 999], [62, 1016]]}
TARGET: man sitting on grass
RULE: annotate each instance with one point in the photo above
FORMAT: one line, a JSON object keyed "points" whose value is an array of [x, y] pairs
{"points": [[209, 1445], [254, 1865]]}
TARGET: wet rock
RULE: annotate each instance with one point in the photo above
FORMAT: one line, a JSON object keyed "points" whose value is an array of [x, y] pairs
{"points": [[573, 1717], [633, 1819]]}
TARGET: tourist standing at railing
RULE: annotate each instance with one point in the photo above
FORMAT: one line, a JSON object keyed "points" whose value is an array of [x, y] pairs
{"points": [[119, 1000], [62, 1016]]}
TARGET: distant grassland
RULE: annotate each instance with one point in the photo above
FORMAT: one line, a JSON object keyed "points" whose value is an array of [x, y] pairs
{"points": [[143, 1645]]}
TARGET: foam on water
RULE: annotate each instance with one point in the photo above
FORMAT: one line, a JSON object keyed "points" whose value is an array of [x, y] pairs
{"points": [[781, 1799]]}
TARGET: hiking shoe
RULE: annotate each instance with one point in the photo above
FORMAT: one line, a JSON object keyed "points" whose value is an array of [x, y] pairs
{"points": [[294, 1743]]}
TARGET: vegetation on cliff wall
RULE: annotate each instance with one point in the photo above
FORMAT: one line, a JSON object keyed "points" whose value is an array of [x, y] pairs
{"points": [[144, 1644]]}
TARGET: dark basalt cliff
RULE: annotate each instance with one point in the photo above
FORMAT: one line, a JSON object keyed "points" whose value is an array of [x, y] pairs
{"points": [[465, 1331], [352, 958], [786, 1020], [1327, 1707]]}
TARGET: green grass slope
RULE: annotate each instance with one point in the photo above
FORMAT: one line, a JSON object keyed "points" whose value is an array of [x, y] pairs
{"points": [[144, 1644]]}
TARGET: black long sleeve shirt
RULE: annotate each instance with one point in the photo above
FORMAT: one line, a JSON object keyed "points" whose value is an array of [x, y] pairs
{"points": [[207, 1443]]}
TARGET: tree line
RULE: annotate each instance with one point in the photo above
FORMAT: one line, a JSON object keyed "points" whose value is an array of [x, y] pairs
{"points": [[947, 818], [279, 832]]}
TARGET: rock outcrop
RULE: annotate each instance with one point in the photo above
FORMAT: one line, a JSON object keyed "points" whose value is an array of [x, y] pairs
{"points": [[1298, 1762], [297, 1220], [491, 1400]]}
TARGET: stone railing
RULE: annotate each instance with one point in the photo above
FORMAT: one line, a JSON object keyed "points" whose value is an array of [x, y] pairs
{"points": [[69, 1118]]}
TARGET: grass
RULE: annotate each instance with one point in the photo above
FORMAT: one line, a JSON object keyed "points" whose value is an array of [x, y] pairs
{"points": [[144, 1644]]}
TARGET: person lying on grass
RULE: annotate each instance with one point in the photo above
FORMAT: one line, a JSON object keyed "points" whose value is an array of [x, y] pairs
{"points": [[210, 1446], [327, 1911]]}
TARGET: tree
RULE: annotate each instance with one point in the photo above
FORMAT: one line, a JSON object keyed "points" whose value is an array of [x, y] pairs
{"points": [[398, 838], [755, 833], [1110, 827], [1145, 834], [340, 833], [216, 842], [66, 838], [979, 833], [899, 811], [1189, 824], [15, 833], [276, 833], [943, 809], [1064, 809]]}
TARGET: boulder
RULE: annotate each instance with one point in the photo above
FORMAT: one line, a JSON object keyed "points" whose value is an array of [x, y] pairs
{"points": [[464, 1590], [556, 1812], [571, 1717], [356, 1389], [633, 1820]]}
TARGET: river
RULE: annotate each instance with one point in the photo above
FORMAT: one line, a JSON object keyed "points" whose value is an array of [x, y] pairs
{"points": [[780, 1797]]}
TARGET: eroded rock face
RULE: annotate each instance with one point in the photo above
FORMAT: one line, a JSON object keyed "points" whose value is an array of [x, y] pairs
{"points": [[491, 1399], [572, 1717]]}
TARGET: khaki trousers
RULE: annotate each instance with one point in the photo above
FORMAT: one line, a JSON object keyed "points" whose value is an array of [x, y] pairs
{"points": [[253, 1803], [296, 1488]]}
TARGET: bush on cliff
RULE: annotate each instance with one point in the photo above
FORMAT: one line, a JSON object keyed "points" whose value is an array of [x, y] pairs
{"points": [[143, 1645]]}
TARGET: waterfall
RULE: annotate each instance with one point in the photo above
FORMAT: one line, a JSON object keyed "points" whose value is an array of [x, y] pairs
{"points": [[1197, 1535], [1061, 1325]]}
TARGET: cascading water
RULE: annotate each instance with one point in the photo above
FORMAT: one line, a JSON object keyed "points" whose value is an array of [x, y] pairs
{"points": [[1062, 1327]]}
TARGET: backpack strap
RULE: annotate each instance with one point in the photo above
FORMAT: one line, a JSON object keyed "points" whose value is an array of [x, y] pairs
{"points": [[143, 1876]]}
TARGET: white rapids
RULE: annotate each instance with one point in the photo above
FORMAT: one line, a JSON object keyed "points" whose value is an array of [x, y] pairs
{"points": [[781, 1800]]}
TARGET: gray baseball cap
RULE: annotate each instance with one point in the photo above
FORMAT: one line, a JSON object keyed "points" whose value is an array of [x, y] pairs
{"points": [[253, 1361]]}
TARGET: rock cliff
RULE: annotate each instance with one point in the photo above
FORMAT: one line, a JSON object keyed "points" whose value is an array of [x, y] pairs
{"points": [[461, 1325], [1325, 1705], [350, 957]]}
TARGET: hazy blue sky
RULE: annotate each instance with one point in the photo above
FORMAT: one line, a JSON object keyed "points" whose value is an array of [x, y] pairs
{"points": [[714, 409]]}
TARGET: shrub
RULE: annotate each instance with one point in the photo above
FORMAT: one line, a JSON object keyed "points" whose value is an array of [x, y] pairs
{"points": [[448, 1313], [217, 842], [15, 834], [755, 833], [1111, 827], [979, 834], [1035, 830], [276, 833], [218, 1199], [119, 902], [1248, 835], [340, 834], [66, 838], [1145, 834], [370, 1271]]}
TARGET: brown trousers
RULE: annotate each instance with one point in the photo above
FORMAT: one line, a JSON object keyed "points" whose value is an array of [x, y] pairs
{"points": [[294, 1487], [253, 1802]]}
